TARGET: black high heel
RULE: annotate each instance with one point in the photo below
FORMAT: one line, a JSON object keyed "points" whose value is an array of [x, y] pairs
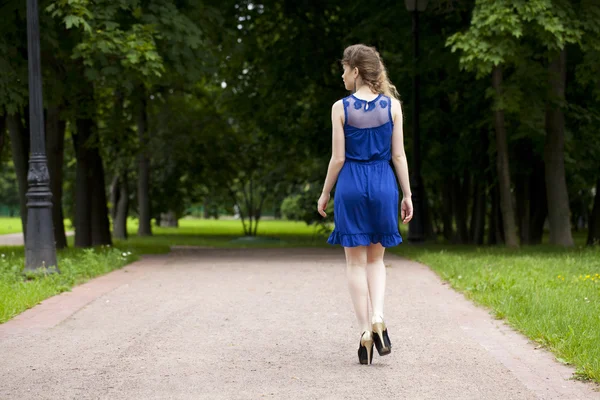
{"points": [[365, 349], [381, 338]]}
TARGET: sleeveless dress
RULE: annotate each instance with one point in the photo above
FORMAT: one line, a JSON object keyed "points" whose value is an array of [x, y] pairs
{"points": [[365, 206]]}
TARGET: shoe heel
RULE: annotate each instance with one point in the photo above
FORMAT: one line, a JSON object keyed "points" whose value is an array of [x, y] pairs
{"points": [[365, 350], [381, 339], [369, 352]]}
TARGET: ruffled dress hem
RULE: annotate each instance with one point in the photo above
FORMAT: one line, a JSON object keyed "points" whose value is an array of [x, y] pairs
{"points": [[364, 239]]}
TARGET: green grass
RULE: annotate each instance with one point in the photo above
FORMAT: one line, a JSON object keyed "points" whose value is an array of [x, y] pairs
{"points": [[223, 233], [10, 225], [551, 295], [19, 292]]}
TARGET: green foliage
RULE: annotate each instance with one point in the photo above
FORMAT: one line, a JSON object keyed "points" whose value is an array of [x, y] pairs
{"points": [[135, 50], [13, 58], [290, 208], [73, 13], [588, 71], [9, 195], [114, 45], [270, 123], [499, 27], [301, 206]]}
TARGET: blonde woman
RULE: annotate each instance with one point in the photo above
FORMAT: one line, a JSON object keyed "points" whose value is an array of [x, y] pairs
{"points": [[367, 142]]}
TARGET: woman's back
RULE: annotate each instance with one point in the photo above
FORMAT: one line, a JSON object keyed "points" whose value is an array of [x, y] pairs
{"points": [[366, 194], [368, 128]]}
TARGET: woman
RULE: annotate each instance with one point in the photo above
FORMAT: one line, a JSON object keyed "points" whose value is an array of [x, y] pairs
{"points": [[367, 135]]}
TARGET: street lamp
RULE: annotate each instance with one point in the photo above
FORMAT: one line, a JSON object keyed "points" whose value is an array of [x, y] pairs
{"points": [[416, 227], [40, 249]]}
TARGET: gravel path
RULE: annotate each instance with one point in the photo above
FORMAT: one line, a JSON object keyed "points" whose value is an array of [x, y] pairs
{"points": [[11, 239], [275, 324], [16, 239]]}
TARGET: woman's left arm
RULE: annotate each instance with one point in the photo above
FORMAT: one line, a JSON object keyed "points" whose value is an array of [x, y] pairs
{"points": [[338, 155]]}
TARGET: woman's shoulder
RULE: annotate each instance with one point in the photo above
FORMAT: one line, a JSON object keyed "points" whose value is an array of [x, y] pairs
{"points": [[396, 105], [394, 101], [340, 104]]}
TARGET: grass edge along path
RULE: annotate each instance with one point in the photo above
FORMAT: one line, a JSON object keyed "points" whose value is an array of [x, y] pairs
{"points": [[550, 295], [19, 292]]}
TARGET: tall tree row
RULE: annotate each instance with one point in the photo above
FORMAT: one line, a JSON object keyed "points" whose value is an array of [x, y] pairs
{"points": [[154, 105], [512, 36]]}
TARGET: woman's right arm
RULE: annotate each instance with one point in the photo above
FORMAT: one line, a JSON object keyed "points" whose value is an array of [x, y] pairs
{"points": [[398, 153]]}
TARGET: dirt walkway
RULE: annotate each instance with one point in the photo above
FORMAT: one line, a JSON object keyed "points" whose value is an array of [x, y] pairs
{"points": [[251, 324], [11, 239], [16, 239]]}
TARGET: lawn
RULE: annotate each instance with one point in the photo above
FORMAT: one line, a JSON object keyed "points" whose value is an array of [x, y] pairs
{"points": [[552, 295], [10, 225], [19, 292]]}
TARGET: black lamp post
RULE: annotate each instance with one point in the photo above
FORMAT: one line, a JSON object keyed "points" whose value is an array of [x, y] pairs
{"points": [[40, 249], [416, 227]]}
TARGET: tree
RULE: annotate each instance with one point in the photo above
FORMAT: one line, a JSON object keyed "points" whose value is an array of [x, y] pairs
{"points": [[501, 33], [488, 44], [126, 46]]}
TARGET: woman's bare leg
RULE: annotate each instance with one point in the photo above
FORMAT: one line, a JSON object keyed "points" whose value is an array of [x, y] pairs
{"points": [[376, 277], [356, 262]]}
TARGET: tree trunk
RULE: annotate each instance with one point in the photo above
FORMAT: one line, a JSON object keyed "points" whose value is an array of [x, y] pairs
{"points": [[556, 183], [538, 203], [55, 146], [205, 212], [506, 206], [145, 227], [493, 221], [430, 234], [463, 206], [447, 210], [523, 208], [2, 133], [458, 210], [477, 229], [496, 231], [114, 197], [19, 140], [277, 210], [500, 238], [122, 208], [83, 189], [526, 159], [100, 225], [594, 225]]}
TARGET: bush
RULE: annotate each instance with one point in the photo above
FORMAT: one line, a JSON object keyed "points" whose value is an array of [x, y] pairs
{"points": [[290, 208], [302, 206]]}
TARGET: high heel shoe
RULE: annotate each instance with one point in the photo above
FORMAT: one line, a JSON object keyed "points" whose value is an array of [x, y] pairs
{"points": [[365, 349], [380, 337]]}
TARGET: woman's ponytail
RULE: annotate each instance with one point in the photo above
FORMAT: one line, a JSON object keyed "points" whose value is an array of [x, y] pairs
{"points": [[387, 87]]}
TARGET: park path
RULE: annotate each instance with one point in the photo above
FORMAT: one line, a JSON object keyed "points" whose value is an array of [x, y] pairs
{"points": [[16, 239], [11, 239], [266, 323]]}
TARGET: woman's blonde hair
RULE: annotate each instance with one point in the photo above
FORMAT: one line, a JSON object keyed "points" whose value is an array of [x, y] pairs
{"points": [[370, 68]]}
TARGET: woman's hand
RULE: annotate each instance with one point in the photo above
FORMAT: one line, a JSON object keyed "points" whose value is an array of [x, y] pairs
{"points": [[322, 204], [406, 210]]}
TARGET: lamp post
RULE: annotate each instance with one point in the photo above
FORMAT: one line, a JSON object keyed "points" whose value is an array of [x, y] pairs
{"points": [[40, 249], [416, 227]]}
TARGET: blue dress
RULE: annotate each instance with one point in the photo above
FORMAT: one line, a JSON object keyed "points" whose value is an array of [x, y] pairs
{"points": [[365, 206]]}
